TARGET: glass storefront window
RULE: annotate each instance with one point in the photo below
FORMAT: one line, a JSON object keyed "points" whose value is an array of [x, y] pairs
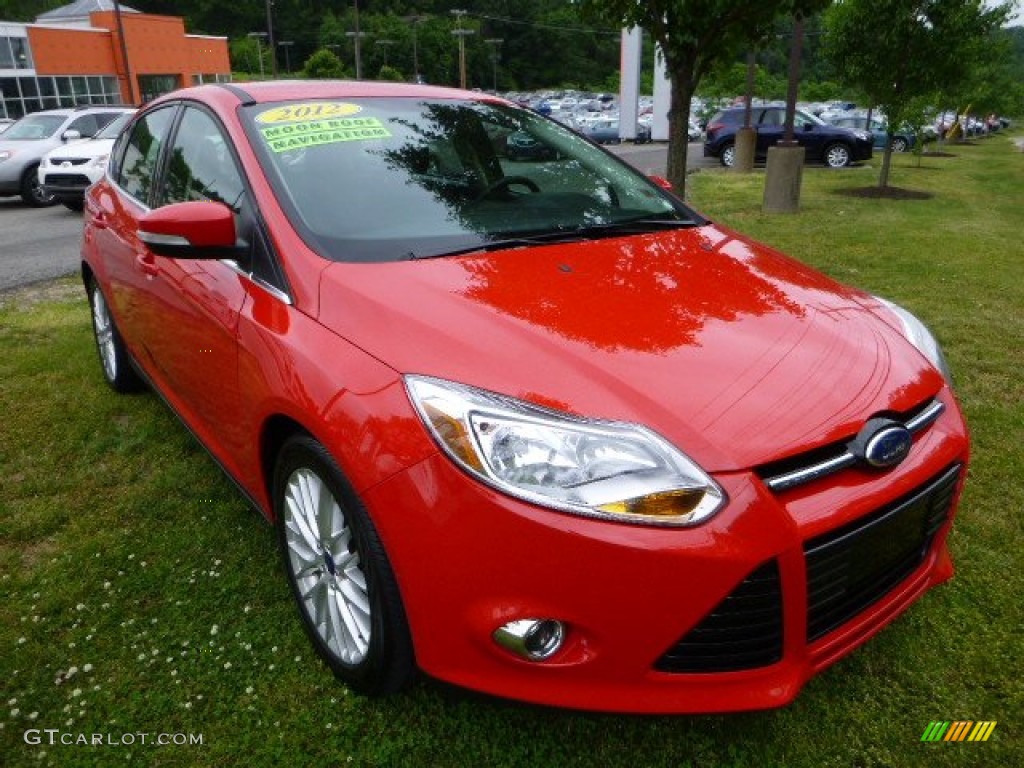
{"points": [[21, 52], [6, 57]]}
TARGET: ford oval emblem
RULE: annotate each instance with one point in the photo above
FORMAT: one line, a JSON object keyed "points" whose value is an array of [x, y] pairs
{"points": [[888, 446]]}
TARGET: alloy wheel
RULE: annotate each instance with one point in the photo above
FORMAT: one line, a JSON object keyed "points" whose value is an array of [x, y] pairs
{"points": [[326, 567]]}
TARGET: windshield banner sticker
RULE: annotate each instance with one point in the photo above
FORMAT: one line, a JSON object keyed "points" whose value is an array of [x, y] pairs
{"points": [[314, 110], [311, 133]]}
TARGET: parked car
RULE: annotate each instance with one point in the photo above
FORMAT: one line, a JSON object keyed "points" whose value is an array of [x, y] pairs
{"points": [[902, 140], [65, 172], [524, 146], [540, 430], [824, 143], [606, 131], [23, 145]]}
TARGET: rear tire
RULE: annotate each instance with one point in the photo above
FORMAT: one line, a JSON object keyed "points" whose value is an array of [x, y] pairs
{"points": [[899, 144], [339, 573]]}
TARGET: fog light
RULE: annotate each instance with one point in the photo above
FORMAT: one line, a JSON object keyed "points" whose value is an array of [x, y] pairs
{"points": [[531, 639]]}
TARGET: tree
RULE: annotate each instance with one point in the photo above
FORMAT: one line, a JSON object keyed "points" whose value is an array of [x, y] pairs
{"points": [[323, 65], [694, 36], [900, 51]]}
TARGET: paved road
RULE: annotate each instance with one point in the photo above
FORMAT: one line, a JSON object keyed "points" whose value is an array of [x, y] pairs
{"points": [[36, 243], [39, 244]]}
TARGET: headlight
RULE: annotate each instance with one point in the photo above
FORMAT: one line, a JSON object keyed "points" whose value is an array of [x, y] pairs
{"points": [[863, 135], [99, 162], [917, 333], [610, 470]]}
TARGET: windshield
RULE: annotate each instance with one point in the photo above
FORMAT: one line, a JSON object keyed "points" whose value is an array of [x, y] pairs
{"points": [[33, 127], [113, 129], [396, 178]]}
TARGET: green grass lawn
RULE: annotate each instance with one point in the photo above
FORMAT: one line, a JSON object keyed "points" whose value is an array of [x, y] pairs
{"points": [[141, 595]]}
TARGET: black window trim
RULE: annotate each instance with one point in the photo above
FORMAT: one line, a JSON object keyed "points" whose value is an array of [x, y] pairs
{"points": [[281, 292]]}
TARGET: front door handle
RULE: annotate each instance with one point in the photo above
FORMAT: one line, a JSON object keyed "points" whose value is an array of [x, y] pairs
{"points": [[147, 264]]}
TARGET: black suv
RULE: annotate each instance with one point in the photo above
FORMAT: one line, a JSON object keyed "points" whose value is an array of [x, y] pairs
{"points": [[828, 144]]}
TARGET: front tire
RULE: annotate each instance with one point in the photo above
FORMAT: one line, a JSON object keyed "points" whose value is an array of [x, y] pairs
{"points": [[899, 144], [837, 155], [114, 357], [728, 155], [339, 573], [32, 192]]}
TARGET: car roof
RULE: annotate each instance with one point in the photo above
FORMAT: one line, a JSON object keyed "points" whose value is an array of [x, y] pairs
{"points": [[294, 90]]}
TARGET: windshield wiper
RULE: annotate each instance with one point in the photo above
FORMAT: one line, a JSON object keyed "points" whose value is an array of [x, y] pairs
{"points": [[627, 227], [568, 236]]}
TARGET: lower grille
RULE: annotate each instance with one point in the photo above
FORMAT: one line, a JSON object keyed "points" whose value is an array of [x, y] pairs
{"points": [[850, 568], [744, 631], [67, 180]]}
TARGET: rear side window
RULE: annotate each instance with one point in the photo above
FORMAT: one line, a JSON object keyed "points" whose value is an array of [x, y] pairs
{"points": [[136, 168]]}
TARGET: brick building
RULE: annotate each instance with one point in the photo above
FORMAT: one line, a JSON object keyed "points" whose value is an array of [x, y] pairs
{"points": [[75, 55]]}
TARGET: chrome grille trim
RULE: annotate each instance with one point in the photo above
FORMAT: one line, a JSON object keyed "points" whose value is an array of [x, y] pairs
{"points": [[793, 478]]}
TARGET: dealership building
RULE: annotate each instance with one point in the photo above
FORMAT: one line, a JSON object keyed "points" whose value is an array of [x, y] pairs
{"points": [[91, 53]]}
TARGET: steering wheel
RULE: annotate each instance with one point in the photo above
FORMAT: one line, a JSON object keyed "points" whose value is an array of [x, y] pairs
{"points": [[505, 182]]}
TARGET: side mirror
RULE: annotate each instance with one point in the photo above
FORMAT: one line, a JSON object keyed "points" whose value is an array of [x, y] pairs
{"points": [[194, 230], [808, 126], [661, 181], [70, 135]]}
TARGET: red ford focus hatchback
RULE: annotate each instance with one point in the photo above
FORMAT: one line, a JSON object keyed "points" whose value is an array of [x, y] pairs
{"points": [[531, 426]]}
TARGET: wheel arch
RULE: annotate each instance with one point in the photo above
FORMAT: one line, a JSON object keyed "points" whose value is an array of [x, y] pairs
{"points": [[276, 431]]}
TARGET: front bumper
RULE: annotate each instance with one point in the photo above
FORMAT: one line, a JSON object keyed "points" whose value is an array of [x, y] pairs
{"points": [[470, 559]]}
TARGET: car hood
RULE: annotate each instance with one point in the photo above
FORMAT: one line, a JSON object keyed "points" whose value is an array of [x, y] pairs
{"points": [[88, 148], [734, 352]]}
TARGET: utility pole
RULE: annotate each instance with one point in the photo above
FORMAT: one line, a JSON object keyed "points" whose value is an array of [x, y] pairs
{"points": [[270, 39], [461, 34], [496, 42], [356, 42]]}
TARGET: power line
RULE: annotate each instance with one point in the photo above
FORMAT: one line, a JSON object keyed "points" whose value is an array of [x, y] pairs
{"points": [[539, 25]]}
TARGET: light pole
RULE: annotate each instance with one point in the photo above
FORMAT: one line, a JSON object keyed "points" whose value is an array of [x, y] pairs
{"points": [[415, 21], [259, 48], [286, 44], [384, 43], [495, 42], [461, 33]]}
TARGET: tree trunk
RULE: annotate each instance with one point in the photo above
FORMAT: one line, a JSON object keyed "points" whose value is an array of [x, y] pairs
{"points": [[678, 122], [883, 176]]}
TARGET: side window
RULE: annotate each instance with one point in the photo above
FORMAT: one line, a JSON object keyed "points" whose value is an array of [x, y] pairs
{"points": [[201, 166], [136, 168], [85, 125], [771, 117]]}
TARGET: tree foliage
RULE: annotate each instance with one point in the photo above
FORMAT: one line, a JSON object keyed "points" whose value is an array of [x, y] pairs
{"points": [[900, 51], [695, 36], [323, 65]]}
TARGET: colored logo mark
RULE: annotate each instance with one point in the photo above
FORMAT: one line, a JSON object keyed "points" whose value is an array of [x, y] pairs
{"points": [[960, 730]]}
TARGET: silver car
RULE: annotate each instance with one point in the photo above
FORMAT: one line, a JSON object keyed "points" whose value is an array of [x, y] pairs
{"points": [[23, 145]]}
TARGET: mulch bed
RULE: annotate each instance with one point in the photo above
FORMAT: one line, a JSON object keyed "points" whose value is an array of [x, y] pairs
{"points": [[885, 193]]}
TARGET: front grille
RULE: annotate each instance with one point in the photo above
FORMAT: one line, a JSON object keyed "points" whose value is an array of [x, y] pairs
{"points": [[744, 631], [854, 566], [829, 459], [67, 180]]}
